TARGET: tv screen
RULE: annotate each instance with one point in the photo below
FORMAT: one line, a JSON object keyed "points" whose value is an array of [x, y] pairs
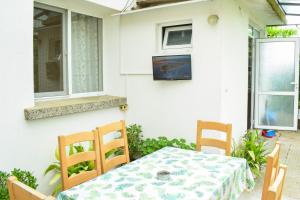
{"points": [[175, 67]]}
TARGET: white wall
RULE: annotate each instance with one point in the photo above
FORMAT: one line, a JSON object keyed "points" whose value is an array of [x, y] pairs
{"points": [[218, 90], [31, 144], [234, 67], [172, 108]]}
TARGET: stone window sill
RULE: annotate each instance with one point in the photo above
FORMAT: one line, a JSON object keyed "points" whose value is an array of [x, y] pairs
{"points": [[53, 108]]}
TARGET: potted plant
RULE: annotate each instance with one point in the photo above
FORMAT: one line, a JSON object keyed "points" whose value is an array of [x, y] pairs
{"points": [[253, 149]]}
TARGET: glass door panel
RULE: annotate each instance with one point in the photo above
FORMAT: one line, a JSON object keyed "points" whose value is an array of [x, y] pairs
{"points": [[276, 110], [276, 95], [277, 66]]}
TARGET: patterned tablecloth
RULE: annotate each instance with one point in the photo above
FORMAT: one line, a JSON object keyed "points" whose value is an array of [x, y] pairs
{"points": [[194, 175]]}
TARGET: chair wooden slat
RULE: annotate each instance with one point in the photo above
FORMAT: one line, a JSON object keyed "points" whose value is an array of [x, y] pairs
{"points": [[121, 142], [115, 161], [213, 142], [275, 190], [114, 144], [78, 137], [115, 126], [81, 157], [213, 126], [82, 177], [20, 191], [67, 161], [272, 168], [216, 126]]}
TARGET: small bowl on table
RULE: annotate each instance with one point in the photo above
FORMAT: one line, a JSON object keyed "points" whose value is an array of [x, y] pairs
{"points": [[163, 175]]}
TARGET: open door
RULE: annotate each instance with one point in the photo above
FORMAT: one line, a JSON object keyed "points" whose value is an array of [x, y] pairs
{"points": [[276, 83]]}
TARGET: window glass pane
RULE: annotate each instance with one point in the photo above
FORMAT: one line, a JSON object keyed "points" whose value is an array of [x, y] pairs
{"points": [[180, 37], [291, 9], [275, 110], [86, 51], [277, 66], [48, 59]]}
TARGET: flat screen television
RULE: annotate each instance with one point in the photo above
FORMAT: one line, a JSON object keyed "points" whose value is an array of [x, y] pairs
{"points": [[172, 67]]}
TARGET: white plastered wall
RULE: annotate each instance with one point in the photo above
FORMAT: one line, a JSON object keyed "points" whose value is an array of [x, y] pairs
{"points": [[30, 145], [218, 90], [171, 108]]}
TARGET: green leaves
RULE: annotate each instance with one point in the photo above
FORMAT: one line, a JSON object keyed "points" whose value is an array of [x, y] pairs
{"points": [[135, 140], [54, 166], [3, 189], [275, 32], [153, 144], [138, 147], [252, 155], [54, 179], [73, 170], [23, 176], [253, 149]]}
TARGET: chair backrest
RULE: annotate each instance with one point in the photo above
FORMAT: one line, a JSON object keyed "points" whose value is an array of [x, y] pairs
{"points": [[20, 191], [275, 190], [216, 126], [68, 161], [272, 168], [109, 163]]}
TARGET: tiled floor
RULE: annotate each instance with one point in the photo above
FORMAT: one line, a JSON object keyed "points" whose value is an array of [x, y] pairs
{"points": [[290, 155]]}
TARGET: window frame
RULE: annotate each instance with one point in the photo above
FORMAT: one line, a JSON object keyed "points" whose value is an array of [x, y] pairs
{"points": [[67, 56], [168, 29], [63, 50]]}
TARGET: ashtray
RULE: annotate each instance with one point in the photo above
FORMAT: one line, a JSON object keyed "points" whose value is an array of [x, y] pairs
{"points": [[163, 175]]}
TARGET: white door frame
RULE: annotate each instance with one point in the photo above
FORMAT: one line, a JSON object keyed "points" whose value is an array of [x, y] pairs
{"points": [[294, 93]]}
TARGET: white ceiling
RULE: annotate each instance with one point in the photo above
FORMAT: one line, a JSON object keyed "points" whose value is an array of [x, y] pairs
{"points": [[114, 4], [262, 10]]}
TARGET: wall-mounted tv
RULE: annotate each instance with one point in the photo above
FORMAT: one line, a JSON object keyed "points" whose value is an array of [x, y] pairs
{"points": [[172, 67]]}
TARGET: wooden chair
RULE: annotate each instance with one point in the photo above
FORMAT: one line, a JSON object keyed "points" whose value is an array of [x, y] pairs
{"points": [[271, 169], [20, 191], [275, 190], [226, 128], [121, 142], [68, 161]]}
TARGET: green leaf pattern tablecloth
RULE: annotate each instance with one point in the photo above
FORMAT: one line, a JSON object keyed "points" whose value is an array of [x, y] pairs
{"points": [[194, 175]]}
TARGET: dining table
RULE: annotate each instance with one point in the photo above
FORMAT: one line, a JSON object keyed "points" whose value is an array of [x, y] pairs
{"points": [[169, 174]]}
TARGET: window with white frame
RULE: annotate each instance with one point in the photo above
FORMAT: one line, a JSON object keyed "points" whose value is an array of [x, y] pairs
{"points": [[175, 37], [58, 33]]}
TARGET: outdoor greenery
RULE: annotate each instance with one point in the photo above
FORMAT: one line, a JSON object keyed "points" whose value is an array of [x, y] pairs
{"points": [[275, 32], [138, 147], [253, 149], [135, 141], [25, 177], [73, 170]]}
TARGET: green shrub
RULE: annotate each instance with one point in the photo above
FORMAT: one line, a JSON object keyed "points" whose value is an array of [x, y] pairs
{"points": [[3, 189], [138, 147], [23, 176], [135, 141], [253, 149], [153, 144]]}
